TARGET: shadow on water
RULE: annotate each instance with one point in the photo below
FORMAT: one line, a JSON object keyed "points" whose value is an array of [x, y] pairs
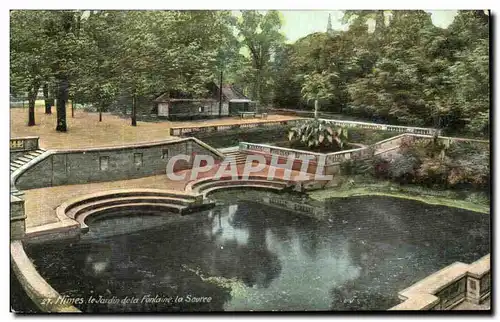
{"points": [[246, 255], [19, 300]]}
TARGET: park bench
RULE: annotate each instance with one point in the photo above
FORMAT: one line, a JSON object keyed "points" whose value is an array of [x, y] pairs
{"points": [[246, 114], [261, 115]]}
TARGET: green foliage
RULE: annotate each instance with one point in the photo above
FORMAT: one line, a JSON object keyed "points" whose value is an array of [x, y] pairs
{"points": [[364, 166], [317, 87], [430, 163], [405, 70], [368, 136], [107, 56], [260, 34], [318, 134]]}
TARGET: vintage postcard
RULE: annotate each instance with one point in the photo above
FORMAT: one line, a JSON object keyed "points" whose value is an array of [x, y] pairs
{"points": [[249, 160]]}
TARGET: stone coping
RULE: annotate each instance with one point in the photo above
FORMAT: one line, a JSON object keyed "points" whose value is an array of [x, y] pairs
{"points": [[436, 281], [417, 302], [421, 295], [480, 267], [123, 146], [25, 137], [41, 293], [15, 199], [14, 175]]}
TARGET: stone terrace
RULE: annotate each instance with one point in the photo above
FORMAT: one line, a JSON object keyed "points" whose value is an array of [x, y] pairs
{"points": [[40, 204], [85, 130]]}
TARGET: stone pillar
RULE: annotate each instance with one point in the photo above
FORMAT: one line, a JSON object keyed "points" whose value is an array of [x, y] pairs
{"points": [[479, 280], [473, 289], [17, 218]]}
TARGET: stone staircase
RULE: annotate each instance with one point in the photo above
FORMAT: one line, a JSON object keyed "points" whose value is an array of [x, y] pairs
{"points": [[19, 162], [208, 185], [25, 158], [233, 154]]}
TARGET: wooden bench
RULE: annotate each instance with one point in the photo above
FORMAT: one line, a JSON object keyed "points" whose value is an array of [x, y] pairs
{"points": [[261, 115], [246, 114]]}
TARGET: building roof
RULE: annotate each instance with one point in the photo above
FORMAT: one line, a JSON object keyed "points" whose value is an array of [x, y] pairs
{"points": [[229, 93], [240, 100]]}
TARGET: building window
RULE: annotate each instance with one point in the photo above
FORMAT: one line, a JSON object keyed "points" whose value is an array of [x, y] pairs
{"points": [[104, 163], [138, 159], [164, 154]]}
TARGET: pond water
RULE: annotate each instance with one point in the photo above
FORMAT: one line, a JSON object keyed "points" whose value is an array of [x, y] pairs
{"points": [[246, 255]]}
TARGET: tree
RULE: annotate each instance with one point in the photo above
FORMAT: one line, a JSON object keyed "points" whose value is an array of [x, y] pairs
{"points": [[97, 78], [260, 35], [318, 86], [29, 51], [62, 30]]}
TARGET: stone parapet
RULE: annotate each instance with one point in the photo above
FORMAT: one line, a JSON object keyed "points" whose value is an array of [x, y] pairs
{"points": [[449, 287]]}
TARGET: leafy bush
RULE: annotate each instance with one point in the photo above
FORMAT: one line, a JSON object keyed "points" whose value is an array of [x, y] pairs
{"points": [[429, 162], [318, 135], [403, 167], [433, 172]]}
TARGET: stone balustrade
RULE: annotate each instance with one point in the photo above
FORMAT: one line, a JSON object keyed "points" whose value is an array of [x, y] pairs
{"points": [[449, 287], [365, 125], [177, 131], [24, 144], [384, 127], [284, 152], [294, 206], [341, 156]]}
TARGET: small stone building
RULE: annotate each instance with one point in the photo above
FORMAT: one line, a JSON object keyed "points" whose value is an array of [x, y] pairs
{"points": [[178, 106]]}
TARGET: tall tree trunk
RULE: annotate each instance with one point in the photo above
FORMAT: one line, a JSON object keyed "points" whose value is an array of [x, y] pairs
{"points": [[316, 108], [257, 94], [32, 99], [134, 119], [73, 107], [48, 103], [62, 98], [220, 95]]}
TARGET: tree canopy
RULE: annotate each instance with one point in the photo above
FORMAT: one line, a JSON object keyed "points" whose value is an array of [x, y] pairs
{"points": [[390, 66]]}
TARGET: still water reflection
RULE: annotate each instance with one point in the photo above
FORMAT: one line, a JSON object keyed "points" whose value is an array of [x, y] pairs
{"points": [[245, 255]]}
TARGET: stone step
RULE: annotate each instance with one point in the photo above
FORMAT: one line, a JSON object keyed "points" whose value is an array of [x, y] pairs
{"points": [[232, 153], [243, 183], [102, 211], [17, 163], [88, 206], [32, 155], [16, 192], [24, 159], [243, 158], [13, 168], [209, 190]]}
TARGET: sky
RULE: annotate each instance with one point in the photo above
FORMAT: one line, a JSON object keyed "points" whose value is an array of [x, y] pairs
{"points": [[298, 24]]}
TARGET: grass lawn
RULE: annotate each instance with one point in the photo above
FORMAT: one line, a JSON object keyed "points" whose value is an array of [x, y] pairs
{"points": [[85, 130], [475, 202]]}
